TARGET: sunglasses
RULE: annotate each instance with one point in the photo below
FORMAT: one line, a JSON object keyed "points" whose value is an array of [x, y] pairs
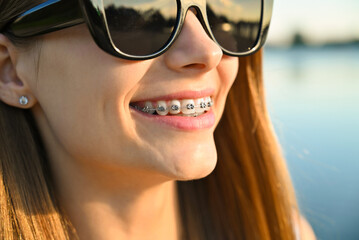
{"points": [[144, 29]]}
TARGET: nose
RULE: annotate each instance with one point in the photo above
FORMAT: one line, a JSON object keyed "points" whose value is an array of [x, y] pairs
{"points": [[193, 49]]}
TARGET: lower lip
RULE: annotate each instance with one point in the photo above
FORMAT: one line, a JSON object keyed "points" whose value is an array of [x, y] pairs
{"points": [[204, 121]]}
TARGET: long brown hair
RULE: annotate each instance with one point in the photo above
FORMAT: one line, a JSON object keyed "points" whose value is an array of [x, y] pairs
{"points": [[248, 196]]}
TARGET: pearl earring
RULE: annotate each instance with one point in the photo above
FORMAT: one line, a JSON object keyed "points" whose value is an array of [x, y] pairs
{"points": [[23, 100]]}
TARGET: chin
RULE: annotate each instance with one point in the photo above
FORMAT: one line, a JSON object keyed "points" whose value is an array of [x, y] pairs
{"points": [[194, 164]]}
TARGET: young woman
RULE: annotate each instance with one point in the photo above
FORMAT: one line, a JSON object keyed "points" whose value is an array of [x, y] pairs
{"points": [[139, 120]]}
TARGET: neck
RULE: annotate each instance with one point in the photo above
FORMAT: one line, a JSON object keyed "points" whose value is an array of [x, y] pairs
{"points": [[117, 204]]}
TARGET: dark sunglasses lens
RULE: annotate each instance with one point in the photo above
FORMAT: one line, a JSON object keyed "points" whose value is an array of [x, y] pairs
{"points": [[140, 27], [235, 23]]}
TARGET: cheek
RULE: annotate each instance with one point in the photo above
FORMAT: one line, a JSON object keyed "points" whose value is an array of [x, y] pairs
{"points": [[84, 95], [228, 70]]}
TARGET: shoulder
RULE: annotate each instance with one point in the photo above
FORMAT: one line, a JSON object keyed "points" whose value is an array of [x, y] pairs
{"points": [[303, 228]]}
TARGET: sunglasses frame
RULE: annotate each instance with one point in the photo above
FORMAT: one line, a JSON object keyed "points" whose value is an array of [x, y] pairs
{"points": [[54, 15]]}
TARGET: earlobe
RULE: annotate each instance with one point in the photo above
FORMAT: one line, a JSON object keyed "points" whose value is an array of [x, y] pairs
{"points": [[13, 91]]}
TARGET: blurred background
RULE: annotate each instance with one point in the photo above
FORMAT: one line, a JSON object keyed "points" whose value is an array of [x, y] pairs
{"points": [[311, 70]]}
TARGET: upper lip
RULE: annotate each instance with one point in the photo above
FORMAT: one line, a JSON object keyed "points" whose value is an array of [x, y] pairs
{"points": [[185, 94]]}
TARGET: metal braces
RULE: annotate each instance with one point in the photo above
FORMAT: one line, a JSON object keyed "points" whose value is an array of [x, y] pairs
{"points": [[190, 106]]}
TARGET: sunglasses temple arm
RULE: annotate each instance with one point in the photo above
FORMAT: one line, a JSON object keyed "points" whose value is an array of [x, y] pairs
{"points": [[47, 17]]}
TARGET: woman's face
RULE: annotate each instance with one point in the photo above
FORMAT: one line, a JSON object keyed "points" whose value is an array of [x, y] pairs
{"points": [[84, 97]]}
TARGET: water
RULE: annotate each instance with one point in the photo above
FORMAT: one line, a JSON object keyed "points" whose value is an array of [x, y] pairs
{"points": [[313, 98]]}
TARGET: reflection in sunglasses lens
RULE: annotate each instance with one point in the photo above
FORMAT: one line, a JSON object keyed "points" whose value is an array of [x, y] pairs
{"points": [[235, 23], [140, 27]]}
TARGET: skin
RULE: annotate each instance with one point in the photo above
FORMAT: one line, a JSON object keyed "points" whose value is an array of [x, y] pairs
{"points": [[115, 173]]}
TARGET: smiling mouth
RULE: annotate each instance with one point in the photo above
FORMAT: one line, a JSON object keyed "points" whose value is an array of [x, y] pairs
{"points": [[174, 107]]}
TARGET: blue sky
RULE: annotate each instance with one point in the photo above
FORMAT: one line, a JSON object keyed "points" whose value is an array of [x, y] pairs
{"points": [[318, 20]]}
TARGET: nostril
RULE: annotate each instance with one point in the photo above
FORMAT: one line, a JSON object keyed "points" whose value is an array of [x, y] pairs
{"points": [[195, 66], [193, 10]]}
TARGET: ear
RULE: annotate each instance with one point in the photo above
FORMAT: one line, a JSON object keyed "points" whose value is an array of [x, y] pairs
{"points": [[12, 88]]}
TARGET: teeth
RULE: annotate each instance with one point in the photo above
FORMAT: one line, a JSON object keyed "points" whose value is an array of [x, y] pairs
{"points": [[175, 107], [200, 105], [161, 108], [149, 108], [208, 102], [185, 107], [188, 106]]}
